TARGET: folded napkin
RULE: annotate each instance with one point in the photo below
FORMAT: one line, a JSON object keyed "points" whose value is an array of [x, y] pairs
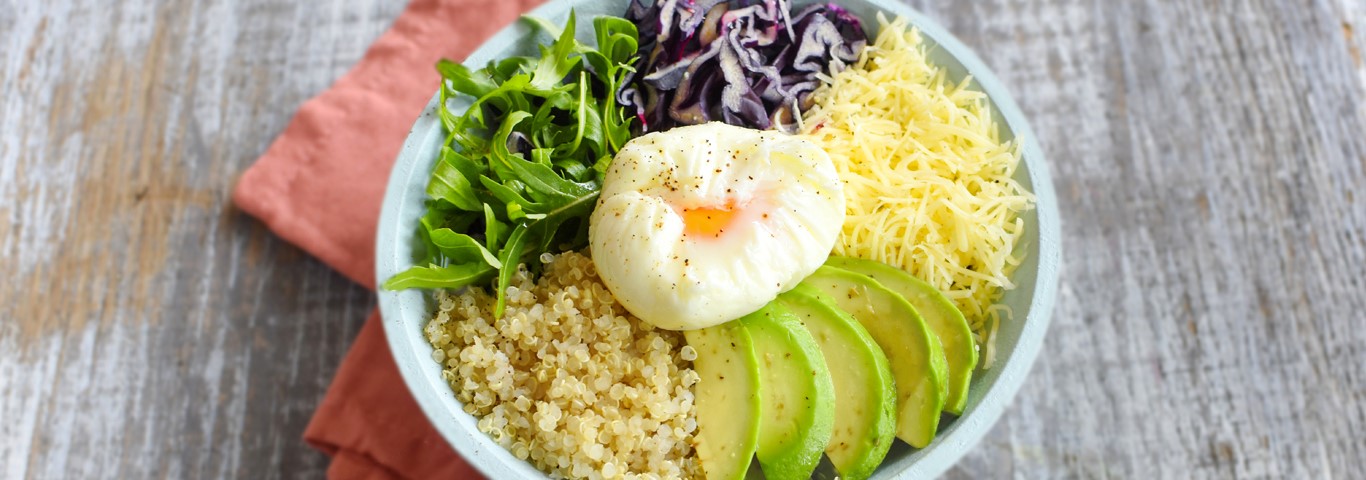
{"points": [[319, 186]]}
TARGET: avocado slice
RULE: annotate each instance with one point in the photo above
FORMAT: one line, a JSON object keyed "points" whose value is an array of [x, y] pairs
{"points": [[944, 319], [865, 398], [727, 400], [917, 360], [795, 391]]}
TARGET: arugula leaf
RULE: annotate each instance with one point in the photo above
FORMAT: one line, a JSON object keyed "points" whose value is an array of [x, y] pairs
{"points": [[475, 83], [617, 43], [548, 223], [461, 248], [498, 145], [556, 62], [514, 204], [510, 255], [521, 168], [493, 228], [451, 184], [452, 277]]}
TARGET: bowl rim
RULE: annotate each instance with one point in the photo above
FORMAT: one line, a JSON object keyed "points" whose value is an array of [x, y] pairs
{"points": [[496, 462]]}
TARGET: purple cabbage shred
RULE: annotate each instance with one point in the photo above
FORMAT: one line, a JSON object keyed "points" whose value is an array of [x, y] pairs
{"points": [[751, 63]]}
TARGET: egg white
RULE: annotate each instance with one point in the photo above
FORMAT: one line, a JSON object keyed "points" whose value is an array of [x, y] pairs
{"points": [[788, 206]]}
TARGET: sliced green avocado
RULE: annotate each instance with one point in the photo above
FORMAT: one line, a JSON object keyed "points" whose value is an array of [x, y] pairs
{"points": [[944, 319], [795, 391], [865, 398], [727, 399], [917, 360]]}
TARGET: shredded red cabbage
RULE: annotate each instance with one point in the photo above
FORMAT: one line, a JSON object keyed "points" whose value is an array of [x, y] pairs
{"points": [[751, 63]]}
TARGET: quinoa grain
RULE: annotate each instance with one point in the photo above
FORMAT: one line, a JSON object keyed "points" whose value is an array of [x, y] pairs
{"points": [[568, 379]]}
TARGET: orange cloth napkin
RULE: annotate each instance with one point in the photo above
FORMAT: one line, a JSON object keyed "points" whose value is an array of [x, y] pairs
{"points": [[319, 186]]}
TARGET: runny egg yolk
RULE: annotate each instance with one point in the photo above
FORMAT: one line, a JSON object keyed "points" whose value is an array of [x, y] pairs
{"points": [[703, 224], [707, 222]]}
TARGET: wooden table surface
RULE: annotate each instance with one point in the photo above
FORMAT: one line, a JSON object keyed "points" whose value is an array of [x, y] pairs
{"points": [[1209, 156]]}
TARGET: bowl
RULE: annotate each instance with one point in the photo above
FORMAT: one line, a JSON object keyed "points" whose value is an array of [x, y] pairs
{"points": [[1018, 340]]}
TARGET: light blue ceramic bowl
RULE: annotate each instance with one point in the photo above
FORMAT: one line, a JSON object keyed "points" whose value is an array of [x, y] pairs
{"points": [[1018, 341]]}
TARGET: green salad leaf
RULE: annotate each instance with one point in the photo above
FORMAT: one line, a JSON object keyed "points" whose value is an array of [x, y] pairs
{"points": [[521, 168]]}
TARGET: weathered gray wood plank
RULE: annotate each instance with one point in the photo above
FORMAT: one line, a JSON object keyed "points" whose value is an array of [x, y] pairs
{"points": [[150, 330], [1209, 157]]}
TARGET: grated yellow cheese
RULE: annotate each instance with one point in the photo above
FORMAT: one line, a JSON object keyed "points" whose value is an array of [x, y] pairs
{"points": [[928, 182]]}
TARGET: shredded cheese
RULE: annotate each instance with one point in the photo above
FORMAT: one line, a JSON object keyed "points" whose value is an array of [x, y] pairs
{"points": [[928, 183]]}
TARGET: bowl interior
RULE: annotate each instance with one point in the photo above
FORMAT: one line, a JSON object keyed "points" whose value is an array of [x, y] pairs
{"points": [[1018, 340]]}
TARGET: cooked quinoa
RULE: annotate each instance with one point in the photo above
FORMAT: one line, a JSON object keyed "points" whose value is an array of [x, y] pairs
{"points": [[568, 379]]}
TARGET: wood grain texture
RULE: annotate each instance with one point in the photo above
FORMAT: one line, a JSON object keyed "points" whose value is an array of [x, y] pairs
{"points": [[1209, 157], [150, 330]]}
